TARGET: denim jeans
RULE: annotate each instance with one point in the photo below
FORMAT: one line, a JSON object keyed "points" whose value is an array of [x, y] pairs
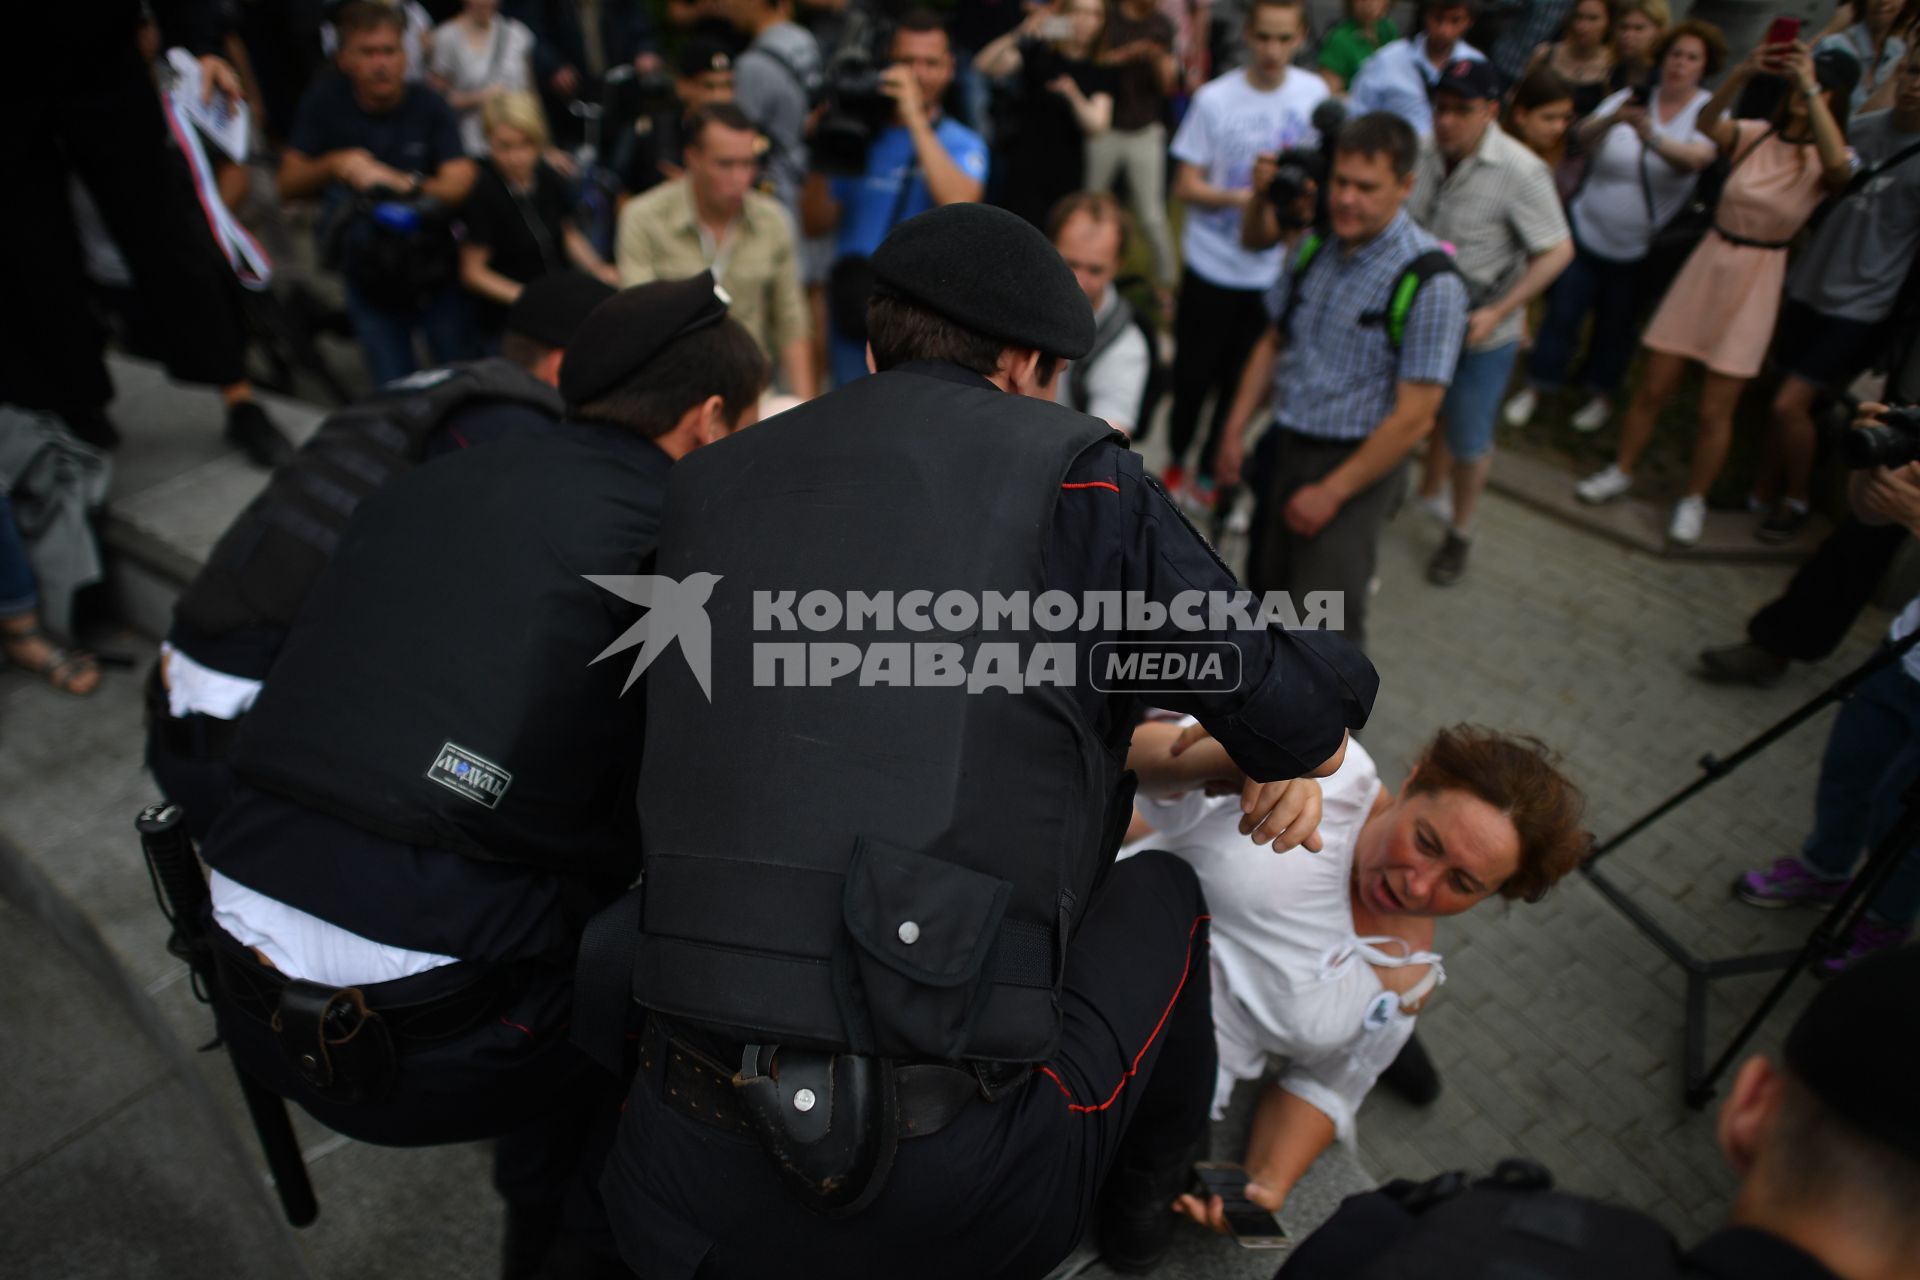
{"points": [[1606, 290], [17, 595], [1872, 755], [387, 336], [1473, 400]]}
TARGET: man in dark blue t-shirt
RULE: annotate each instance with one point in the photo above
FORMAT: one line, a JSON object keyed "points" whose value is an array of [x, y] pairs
{"points": [[365, 132]]}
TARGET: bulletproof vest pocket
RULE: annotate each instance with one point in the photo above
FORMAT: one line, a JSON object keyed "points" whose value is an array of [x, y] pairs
{"points": [[921, 930]]}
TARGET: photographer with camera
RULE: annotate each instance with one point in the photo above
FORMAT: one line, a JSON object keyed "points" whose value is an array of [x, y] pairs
{"points": [[917, 160], [1873, 753], [385, 157], [1482, 191], [1061, 98], [776, 80]]}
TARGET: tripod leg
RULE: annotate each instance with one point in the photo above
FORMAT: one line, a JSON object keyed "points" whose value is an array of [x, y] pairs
{"points": [[281, 1148], [1829, 935]]}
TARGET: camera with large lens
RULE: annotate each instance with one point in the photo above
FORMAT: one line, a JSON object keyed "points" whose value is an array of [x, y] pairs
{"points": [[1294, 168], [1892, 442], [858, 109]]}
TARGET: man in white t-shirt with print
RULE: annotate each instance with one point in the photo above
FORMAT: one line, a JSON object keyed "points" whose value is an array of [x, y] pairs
{"points": [[1262, 108]]}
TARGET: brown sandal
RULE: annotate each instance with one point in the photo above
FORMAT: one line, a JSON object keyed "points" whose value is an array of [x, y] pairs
{"points": [[72, 671]]}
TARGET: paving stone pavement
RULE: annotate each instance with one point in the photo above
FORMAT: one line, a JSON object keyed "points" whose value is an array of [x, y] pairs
{"points": [[1558, 1033]]}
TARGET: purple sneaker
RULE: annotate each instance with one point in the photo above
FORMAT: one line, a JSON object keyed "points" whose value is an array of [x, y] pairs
{"points": [[1787, 883], [1869, 937]]}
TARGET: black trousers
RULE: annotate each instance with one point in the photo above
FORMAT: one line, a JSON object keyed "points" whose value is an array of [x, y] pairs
{"points": [[1214, 332], [1008, 1188], [106, 129], [1827, 592]]}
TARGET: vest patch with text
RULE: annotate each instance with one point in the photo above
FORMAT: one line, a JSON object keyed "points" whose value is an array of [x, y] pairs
{"points": [[466, 774]]}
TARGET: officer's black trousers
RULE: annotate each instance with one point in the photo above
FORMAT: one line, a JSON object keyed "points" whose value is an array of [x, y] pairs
{"points": [[109, 131], [1008, 1188]]}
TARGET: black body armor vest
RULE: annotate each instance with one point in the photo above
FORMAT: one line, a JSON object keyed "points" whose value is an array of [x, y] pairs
{"points": [[440, 686], [269, 558], [848, 863]]}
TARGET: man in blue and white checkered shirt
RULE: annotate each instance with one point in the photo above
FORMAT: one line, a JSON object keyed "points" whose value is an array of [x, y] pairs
{"points": [[1350, 402]]}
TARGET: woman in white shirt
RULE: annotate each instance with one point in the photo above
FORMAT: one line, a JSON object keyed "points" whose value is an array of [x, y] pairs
{"points": [[1324, 957], [1646, 154], [477, 56]]}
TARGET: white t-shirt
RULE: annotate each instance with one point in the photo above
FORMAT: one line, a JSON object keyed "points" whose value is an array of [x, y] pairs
{"points": [[1289, 979], [305, 946], [1610, 212], [1229, 123], [1118, 377], [504, 62]]}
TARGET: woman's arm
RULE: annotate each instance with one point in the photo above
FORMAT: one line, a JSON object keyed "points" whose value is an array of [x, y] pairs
{"points": [[1094, 113], [582, 254], [1682, 157], [1289, 1133], [1000, 56], [482, 279], [1711, 122], [1836, 163]]}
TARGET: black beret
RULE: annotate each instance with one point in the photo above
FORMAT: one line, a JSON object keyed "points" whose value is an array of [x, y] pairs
{"points": [[702, 54], [551, 308], [631, 328], [1849, 1048], [991, 271]]}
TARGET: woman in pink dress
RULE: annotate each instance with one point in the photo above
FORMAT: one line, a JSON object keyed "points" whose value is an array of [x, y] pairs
{"points": [[1721, 308]]}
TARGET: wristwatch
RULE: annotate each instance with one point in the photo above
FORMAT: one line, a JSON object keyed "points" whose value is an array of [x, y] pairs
{"points": [[415, 181]]}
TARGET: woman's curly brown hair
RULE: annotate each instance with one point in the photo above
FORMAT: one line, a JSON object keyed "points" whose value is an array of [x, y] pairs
{"points": [[1519, 776]]}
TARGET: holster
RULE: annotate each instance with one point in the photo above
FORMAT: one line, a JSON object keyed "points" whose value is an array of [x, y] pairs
{"points": [[829, 1121], [340, 1048]]}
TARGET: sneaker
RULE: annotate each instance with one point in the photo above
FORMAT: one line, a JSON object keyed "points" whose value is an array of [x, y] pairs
{"points": [[1592, 415], [1240, 521], [1520, 407], [1133, 1226], [1744, 663], [1784, 523], [1787, 883], [1197, 499], [1449, 562], [1174, 481], [1689, 518], [1437, 507], [253, 433], [1603, 486], [1869, 937]]}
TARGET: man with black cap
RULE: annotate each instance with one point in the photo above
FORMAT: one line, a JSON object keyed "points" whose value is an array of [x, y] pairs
{"points": [[434, 789], [902, 1013], [233, 617], [1826, 1142]]}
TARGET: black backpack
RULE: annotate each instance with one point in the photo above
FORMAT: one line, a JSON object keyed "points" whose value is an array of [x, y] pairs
{"points": [[1125, 316]]}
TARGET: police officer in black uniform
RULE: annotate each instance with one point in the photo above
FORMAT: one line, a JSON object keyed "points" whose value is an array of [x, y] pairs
{"points": [[903, 1015], [232, 619], [434, 789], [1826, 1143], [653, 151]]}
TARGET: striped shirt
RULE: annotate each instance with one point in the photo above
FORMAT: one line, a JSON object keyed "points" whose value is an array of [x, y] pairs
{"points": [[1337, 378]]}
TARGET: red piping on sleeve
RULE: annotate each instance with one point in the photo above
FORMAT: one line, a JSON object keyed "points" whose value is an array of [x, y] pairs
{"points": [[1092, 484]]}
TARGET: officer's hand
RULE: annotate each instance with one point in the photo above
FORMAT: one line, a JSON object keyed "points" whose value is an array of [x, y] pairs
{"points": [[1211, 1213], [1311, 509], [1285, 813]]}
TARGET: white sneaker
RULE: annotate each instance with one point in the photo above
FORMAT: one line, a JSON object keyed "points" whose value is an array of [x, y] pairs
{"points": [[1438, 508], [1603, 486], [1689, 518], [1519, 410], [1592, 415], [1240, 521]]}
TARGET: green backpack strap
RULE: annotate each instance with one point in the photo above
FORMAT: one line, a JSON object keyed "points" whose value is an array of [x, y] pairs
{"points": [[1434, 262], [1302, 259]]}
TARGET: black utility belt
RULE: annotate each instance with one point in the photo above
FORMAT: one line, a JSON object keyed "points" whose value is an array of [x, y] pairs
{"points": [[1297, 439], [928, 1096]]}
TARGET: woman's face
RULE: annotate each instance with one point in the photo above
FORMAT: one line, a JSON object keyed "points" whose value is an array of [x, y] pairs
{"points": [[1634, 35], [1685, 63], [1434, 853], [1587, 29], [1543, 127], [1087, 16], [513, 151]]}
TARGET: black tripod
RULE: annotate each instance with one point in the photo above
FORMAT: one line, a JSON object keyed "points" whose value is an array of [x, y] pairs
{"points": [[1827, 937]]}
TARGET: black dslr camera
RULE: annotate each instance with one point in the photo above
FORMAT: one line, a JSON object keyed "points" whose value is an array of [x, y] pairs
{"points": [[1893, 442], [1298, 166], [858, 109]]}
